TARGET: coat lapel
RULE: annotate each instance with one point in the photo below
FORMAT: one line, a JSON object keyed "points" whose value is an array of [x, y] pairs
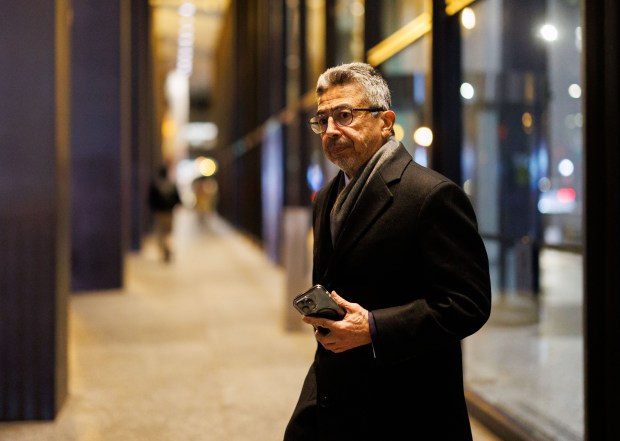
{"points": [[372, 203]]}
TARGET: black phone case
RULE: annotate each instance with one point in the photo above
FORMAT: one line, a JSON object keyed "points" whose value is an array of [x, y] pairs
{"points": [[316, 302]]}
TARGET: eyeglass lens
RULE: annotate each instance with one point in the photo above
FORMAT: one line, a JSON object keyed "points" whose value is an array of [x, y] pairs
{"points": [[343, 116]]}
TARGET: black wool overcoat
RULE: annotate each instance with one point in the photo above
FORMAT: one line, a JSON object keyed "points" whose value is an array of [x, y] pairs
{"points": [[410, 253]]}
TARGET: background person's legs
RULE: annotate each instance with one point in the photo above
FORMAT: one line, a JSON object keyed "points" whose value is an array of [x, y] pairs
{"points": [[163, 230]]}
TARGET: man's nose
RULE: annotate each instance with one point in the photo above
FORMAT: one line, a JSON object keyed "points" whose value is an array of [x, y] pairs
{"points": [[332, 127]]}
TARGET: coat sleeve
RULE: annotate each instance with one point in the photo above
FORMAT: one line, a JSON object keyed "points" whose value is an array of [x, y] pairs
{"points": [[452, 297]]}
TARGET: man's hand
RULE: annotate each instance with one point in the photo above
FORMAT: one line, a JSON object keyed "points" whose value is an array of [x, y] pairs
{"points": [[350, 332]]}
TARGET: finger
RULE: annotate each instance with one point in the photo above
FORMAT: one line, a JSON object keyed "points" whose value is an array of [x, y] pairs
{"points": [[339, 300], [311, 320], [335, 295]]}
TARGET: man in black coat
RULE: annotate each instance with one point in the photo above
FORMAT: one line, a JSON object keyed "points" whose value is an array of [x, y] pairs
{"points": [[398, 247]]}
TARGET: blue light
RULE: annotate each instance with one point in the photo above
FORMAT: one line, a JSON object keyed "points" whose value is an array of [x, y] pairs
{"points": [[314, 176]]}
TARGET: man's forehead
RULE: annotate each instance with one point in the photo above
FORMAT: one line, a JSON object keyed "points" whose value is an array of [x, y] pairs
{"points": [[348, 94], [329, 106]]}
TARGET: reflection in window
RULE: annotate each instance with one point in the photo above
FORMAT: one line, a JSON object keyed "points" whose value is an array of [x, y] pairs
{"points": [[349, 44], [522, 162], [408, 72]]}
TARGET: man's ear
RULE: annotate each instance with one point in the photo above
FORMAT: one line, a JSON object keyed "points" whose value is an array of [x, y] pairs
{"points": [[388, 117]]}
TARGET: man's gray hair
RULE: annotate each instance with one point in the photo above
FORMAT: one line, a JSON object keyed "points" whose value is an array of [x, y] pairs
{"points": [[375, 88]]}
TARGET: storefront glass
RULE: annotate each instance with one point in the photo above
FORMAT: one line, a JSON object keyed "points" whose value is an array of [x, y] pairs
{"points": [[522, 166], [349, 32], [408, 70]]}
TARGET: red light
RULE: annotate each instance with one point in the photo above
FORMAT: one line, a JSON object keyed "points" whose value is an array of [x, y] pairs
{"points": [[566, 195]]}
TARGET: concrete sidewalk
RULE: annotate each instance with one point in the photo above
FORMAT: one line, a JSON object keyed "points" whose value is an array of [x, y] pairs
{"points": [[193, 350]]}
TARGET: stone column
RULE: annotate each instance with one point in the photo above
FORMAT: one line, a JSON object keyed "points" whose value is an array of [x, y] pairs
{"points": [[34, 207]]}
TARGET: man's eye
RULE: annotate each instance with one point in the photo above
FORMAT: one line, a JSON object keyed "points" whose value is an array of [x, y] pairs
{"points": [[343, 114], [322, 120]]}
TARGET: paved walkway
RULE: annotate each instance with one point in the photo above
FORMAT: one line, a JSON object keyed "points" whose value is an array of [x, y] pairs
{"points": [[193, 350]]}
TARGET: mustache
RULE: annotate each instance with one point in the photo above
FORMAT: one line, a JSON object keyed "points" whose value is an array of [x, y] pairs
{"points": [[336, 143]]}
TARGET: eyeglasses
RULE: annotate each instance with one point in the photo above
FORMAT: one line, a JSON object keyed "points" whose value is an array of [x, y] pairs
{"points": [[343, 116]]}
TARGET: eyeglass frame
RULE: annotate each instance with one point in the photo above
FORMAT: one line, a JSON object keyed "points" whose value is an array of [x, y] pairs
{"points": [[329, 114]]}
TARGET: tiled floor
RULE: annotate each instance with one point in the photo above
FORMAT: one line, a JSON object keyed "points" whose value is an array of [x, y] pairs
{"points": [[194, 350]]}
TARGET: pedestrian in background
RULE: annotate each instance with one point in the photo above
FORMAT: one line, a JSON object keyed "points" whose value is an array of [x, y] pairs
{"points": [[163, 198], [398, 247]]}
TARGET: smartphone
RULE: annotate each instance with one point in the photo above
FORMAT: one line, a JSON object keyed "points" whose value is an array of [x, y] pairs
{"points": [[316, 302]]}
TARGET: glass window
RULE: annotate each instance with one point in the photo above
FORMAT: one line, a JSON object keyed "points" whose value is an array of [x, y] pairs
{"points": [[407, 71], [522, 155], [349, 23], [398, 13], [408, 74]]}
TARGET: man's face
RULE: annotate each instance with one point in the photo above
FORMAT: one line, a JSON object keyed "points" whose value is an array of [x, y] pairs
{"points": [[350, 147]]}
